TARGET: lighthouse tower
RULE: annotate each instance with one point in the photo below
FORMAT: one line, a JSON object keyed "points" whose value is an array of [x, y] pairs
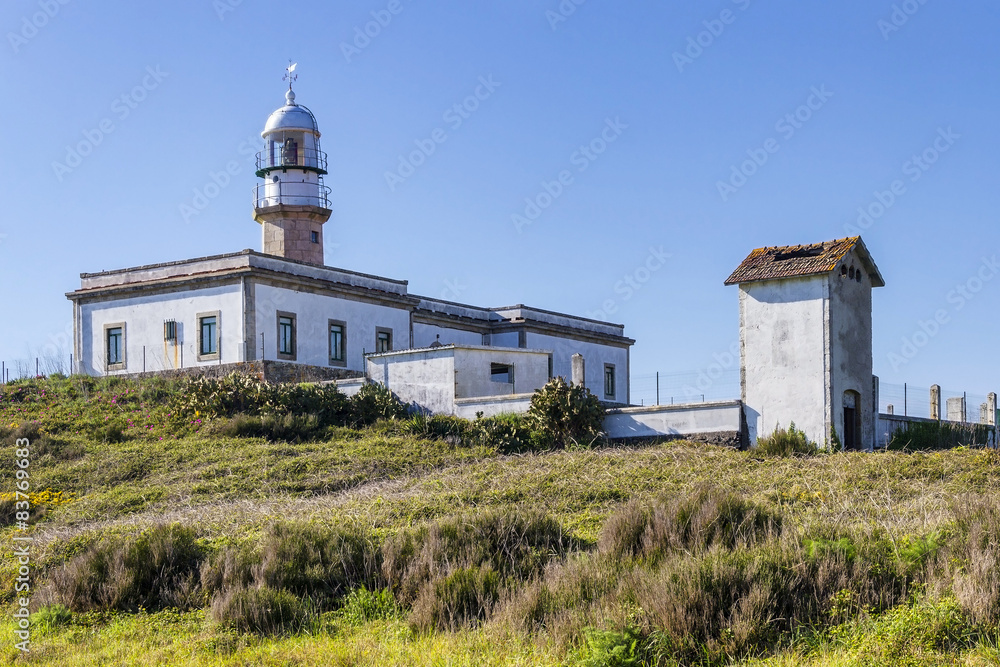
{"points": [[292, 203]]}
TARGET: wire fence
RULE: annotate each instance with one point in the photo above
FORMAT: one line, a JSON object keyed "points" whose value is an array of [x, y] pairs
{"points": [[35, 367], [915, 401], [685, 387]]}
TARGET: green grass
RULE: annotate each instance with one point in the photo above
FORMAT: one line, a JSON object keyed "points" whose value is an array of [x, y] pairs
{"points": [[906, 518]]}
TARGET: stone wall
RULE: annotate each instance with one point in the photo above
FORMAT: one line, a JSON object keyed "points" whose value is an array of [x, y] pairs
{"points": [[270, 371]]}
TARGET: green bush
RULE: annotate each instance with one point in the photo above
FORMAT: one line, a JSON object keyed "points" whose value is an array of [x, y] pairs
{"points": [[566, 414], [611, 648], [362, 606], [237, 393], [506, 433], [785, 442], [284, 428], [908, 633], [374, 402], [50, 617], [259, 610]]}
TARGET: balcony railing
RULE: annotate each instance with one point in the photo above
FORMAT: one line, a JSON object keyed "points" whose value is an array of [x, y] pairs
{"points": [[290, 194], [282, 157]]}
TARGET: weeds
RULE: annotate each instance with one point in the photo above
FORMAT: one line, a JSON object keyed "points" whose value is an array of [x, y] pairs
{"points": [[785, 442]]}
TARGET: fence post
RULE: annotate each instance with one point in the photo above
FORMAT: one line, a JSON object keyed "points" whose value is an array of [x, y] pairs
{"points": [[657, 387], [936, 402], [905, 413]]}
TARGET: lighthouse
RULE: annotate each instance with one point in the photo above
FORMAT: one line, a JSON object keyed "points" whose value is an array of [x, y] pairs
{"points": [[292, 203]]}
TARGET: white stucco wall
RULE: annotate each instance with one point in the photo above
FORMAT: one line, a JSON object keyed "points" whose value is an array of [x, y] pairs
{"points": [[505, 339], [851, 347], [144, 316], [425, 378], [595, 356], [469, 408], [313, 313], [472, 371], [785, 355], [434, 379], [666, 420], [426, 334]]}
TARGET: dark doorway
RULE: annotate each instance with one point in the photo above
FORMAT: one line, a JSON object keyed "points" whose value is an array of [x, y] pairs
{"points": [[850, 429]]}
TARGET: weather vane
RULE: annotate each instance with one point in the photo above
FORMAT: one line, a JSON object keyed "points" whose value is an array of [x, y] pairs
{"points": [[289, 77]]}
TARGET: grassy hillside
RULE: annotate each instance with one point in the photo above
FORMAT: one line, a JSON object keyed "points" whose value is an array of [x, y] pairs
{"points": [[177, 538]]}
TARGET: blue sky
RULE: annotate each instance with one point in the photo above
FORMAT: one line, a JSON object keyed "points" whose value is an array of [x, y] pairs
{"points": [[834, 100]]}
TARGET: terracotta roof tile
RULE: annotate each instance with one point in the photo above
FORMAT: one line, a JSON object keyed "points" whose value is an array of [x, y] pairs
{"points": [[800, 260]]}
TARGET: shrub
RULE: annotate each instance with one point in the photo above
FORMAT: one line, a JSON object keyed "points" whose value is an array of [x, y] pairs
{"points": [[303, 559], [454, 572], [457, 600], [323, 563], [969, 566], [785, 442], [566, 414], [155, 570], [691, 523], [449, 428], [731, 604], [907, 633], [260, 610], [514, 543], [506, 433], [560, 600], [237, 393], [374, 402], [284, 428]]}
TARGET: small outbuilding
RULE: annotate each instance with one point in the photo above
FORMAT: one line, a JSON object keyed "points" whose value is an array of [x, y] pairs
{"points": [[806, 341]]}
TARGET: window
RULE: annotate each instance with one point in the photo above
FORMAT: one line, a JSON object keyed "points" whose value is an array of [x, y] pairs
{"points": [[314, 237], [286, 336], [170, 330], [550, 366], [208, 336], [338, 343], [114, 338], [502, 373], [609, 381], [290, 152], [208, 339], [383, 340]]}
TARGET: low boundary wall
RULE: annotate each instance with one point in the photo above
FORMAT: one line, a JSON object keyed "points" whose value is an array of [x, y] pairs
{"points": [[492, 405], [270, 371], [718, 422], [886, 425]]}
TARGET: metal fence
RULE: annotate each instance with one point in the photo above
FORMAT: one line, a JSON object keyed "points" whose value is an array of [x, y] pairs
{"points": [[685, 387]]}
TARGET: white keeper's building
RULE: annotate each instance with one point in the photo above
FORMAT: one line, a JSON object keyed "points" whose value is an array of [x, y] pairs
{"points": [[285, 304]]}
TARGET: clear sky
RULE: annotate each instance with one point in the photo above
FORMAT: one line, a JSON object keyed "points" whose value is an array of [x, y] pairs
{"points": [[122, 118]]}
